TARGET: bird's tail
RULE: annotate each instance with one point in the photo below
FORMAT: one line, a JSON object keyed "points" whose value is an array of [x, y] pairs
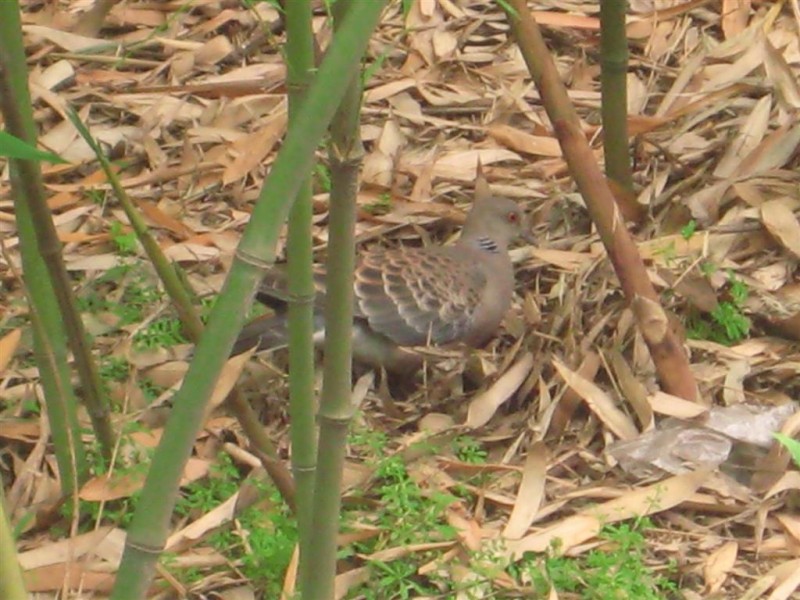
{"points": [[270, 332]]}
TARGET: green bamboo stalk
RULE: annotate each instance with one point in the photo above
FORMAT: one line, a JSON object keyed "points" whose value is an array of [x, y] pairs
{"points": [[50, 349], [174, 287], [255, 254], [614, 91], [12, 583], [18, 112], [300, 66], [181, 297], [336, 408]]}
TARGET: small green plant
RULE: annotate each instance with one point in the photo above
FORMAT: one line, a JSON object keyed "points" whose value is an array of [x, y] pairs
{"points": [[161, 333], [367, 440], [733, 323], [322, 175], [615, 570], [114, 368], [263, 541], [136, 300], [397, 579], [31, 406], [469, 450], [381, 207], [96, 197], [688, 230], [150, 391], [271, 537], [727, 323], [201, 496], [123, 239], [408, 515], [137, 297], [792, 445], [708, 268]]}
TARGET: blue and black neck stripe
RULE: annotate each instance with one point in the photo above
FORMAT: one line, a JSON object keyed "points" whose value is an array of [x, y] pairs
{"points": [[487, 244]]}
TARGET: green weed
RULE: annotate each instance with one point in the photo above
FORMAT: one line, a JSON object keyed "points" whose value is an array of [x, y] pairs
{"points": [[615, 570], [382, 206], [114, 368], [150, 391], [688, 230], [408, 515], [792, 445], [322, 177], [123, 238], [263, 541], [469, 450], [726, 324], [161, 333]]}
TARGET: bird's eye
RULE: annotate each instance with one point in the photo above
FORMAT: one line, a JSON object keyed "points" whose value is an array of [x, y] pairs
{"points": [[512, 217]]}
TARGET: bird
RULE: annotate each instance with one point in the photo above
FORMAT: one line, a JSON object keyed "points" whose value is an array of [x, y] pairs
{"points": [[415, 296]]}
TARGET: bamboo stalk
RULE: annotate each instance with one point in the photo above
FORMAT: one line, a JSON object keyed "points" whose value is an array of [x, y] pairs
{"points": [[255, 254], [12, 583], [18, 113], [336, 408], [672, 364], [614, 91], [49, 340], [300, 66], [181, 297]]}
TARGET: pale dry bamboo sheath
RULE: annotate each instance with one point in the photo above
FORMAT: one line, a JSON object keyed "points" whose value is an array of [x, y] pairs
{"points": [[614, 91], [50, 349], [336, 409], [256, 253], [300, 74]]}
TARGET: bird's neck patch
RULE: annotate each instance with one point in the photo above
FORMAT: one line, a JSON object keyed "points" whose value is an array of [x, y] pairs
{"points": [[487, 244]]}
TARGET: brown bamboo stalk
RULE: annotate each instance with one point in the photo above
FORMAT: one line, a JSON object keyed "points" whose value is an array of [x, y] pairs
{"points": [[672, 364]]}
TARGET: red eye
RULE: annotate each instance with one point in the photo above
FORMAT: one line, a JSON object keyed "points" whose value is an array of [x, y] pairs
{"points": [[512, 217]]}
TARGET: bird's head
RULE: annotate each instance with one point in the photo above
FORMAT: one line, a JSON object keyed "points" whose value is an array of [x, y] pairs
{"points": [[495, 218]]}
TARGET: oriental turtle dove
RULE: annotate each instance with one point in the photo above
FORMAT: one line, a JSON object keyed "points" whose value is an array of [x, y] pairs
{"points": [[411, 296]]}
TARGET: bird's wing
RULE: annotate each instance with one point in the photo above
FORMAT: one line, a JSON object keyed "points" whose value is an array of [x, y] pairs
{"points": [[417, 295]]}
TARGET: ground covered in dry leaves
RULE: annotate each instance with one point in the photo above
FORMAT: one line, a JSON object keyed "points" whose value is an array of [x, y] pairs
{"points": [[188, 99]]}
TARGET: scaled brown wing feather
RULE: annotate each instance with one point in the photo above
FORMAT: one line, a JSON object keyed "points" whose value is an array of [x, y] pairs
{"points": [[413, 296]]}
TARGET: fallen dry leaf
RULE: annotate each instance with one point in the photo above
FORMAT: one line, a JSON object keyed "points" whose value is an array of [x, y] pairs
{"points": [[600, 402], [530, 493], [635, 503], [782, 223]]}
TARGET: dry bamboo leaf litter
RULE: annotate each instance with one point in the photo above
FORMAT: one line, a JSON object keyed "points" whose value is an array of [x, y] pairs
{"points": [[715, 96]]}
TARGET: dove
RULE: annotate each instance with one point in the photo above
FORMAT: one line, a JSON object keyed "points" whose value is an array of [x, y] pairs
{"points": [[415, 296]]}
